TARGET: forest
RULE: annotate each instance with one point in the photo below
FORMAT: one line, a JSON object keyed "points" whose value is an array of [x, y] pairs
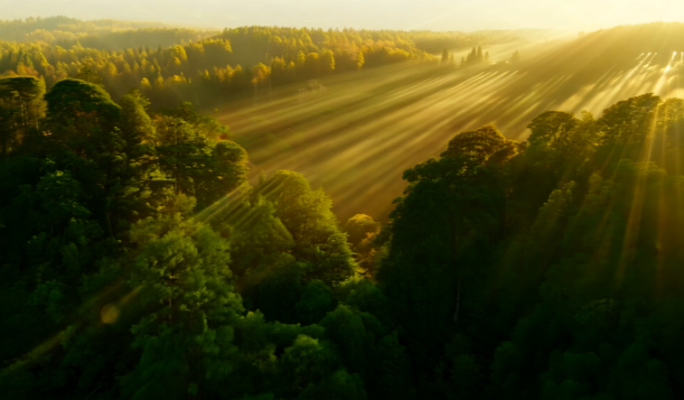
{"points": [[202, 66], [149, 253]]}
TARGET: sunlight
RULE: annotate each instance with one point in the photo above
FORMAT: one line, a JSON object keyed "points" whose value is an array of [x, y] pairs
{"points": [[482, 208]]}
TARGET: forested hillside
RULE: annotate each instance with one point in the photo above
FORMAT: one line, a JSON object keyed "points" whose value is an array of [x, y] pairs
{"points": [[170, 65], [213, 69], [138, 262], [144, 254]]}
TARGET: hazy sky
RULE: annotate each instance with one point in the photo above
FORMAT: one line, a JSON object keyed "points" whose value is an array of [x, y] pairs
{"points": [[374, 14]]}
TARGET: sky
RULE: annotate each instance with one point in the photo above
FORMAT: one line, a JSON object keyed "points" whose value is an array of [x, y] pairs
{"points": [[462, 15]]}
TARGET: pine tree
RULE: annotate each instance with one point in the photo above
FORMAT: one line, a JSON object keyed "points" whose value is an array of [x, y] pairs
{"points": [[89, 75], [301, 59], [327, 63], [360, 60], [445, 56], [21, 106], [473, 55]]}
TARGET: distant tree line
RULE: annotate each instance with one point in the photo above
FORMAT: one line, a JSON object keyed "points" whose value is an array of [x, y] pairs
{"points": [[211, 69], [65, 28]]}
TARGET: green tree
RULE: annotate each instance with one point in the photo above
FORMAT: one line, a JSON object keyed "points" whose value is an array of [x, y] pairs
{"points": [[452, 210], [197, 165], [306, 362], [81, 116], [339, 386], [21, 108], [87, 74], [308, 217], [359, 227], [186, 340], [629, 121]]}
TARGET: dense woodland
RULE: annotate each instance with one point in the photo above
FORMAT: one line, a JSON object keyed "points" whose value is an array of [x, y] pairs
{"points": [[138, 262], [210, 70], [171, 65]]}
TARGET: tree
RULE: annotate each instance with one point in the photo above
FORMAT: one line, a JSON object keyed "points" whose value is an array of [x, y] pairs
{"points": [[205, 125], [21, 107], [350, 331], [87, 74], [629, 121], [477, 145], [339, 386], [182, 152], [301, 60], [135, 195], [136, 123], [97, 114], [552, 129], [307, 216], [395, 379], [360, 59], [261, 75], [327, 63], [316, 300], [306, 362], [312, 66], [186, 341], [84, 122], [453, 208], [445, 56], [227, 171], [359, 227], [197, 165]]}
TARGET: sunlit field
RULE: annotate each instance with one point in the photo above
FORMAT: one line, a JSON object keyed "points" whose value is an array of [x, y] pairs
{"points": [[356, 136]]}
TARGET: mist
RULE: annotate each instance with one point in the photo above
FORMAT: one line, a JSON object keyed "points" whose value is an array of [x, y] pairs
{"points": [[463, 15]]}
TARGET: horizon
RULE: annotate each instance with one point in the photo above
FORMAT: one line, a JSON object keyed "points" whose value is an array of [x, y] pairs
{"points": [[436, 15]]}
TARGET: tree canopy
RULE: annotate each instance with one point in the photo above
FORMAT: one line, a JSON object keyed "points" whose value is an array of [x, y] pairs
{"points": [[144, 257]]}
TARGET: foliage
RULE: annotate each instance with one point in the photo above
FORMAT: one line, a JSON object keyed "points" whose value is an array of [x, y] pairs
{"points": [[139, 262], [173, 65]]}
